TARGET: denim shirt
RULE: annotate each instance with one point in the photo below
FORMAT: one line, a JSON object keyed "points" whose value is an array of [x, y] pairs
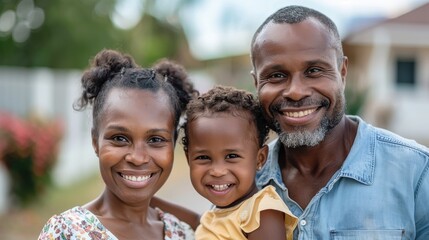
{"points": [[380, 192]]}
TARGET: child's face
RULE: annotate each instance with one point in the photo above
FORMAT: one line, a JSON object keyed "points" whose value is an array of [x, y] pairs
{"points": [[223, 155]]}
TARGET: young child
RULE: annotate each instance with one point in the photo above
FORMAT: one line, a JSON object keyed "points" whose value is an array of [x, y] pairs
{"points": [[224, 136]]}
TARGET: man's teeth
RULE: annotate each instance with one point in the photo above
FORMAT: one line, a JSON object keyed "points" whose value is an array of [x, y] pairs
{"points": [[300, 113], [220, 187], [136, 178]]}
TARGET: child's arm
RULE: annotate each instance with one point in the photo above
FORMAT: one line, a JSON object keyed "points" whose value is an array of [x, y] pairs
{"points": [[272, 226], [184, 214]]}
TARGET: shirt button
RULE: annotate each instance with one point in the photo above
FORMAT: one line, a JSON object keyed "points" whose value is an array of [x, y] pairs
{"points": [[303, 222]]}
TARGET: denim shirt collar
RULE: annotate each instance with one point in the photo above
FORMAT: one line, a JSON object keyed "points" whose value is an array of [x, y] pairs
{"points": [[359, 164]]}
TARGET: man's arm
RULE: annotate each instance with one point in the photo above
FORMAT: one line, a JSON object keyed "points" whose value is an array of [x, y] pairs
{"points": [[422, 210]]}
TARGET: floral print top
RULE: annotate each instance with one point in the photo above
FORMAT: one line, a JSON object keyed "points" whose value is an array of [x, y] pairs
{"points": [[79, 223]]}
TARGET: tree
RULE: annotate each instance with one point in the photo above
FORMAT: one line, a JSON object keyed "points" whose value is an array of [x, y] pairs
{"points": [[74, 31]]}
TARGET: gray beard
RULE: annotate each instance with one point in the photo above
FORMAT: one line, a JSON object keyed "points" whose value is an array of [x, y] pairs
{"points": [[301, 137], [304, 138]]}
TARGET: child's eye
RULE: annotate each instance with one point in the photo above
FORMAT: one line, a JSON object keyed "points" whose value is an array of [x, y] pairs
{"points": [[202, 157], [232, 155]]}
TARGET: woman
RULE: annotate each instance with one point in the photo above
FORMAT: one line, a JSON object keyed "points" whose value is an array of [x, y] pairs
{"points": [[135, 113]]}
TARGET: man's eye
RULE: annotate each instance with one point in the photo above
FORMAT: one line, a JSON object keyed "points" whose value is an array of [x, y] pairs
{"points": [[277, 75], [314, 70]]}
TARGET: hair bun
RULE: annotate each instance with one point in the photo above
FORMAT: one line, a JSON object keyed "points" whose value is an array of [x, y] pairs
{"points": [[171, 70], [113, 61], [177, 76], [104, 67]]}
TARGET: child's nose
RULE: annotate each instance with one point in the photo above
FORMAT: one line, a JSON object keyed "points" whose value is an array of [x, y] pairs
{"points": [[218, 170]]}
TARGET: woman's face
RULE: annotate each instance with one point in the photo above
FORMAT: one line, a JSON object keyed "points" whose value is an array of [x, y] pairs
{"points": [[135, 143]]}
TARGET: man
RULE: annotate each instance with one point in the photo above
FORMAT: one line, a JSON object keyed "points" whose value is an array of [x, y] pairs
{"points": [[343, 178]]}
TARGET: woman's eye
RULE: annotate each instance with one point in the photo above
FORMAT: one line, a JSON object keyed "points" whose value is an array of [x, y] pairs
{"points": [[156, 140], [119, 139]]}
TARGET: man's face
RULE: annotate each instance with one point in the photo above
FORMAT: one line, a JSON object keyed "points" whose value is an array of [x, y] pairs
{"points": [[299, 83]]}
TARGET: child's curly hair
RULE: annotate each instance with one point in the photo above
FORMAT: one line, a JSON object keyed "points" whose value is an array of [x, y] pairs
{"points": [[224, 99]]}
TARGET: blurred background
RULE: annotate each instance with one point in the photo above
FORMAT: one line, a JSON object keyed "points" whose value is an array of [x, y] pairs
{"points": [[47, 164]]}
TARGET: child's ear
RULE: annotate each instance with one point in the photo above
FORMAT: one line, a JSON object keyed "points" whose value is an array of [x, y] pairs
{"points": [[262, 157], [187, 157]]}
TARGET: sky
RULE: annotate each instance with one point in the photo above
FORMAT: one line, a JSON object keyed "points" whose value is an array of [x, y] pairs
{"points": [[220, 28]]}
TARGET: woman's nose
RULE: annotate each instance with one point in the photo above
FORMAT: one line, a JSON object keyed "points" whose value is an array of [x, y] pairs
{"points": [[137, 155]]}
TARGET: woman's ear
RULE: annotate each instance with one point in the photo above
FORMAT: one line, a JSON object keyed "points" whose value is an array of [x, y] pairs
{"points": [[94, 138], [262, 157]]}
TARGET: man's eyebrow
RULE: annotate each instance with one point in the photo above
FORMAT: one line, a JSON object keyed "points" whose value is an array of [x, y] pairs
{"points": [[319, 61]]}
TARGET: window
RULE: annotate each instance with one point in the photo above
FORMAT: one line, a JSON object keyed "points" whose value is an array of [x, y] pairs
{"points": [[406, 72]]}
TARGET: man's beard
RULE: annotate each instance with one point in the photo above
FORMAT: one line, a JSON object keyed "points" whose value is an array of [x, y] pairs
{"points": [[301, 137]]}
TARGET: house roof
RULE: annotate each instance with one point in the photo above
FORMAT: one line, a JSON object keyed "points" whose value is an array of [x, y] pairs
{"points": [[406, 28], [417, 16]]}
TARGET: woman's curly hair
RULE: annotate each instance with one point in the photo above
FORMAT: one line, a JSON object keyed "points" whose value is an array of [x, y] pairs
{"points": [[112, 69]]}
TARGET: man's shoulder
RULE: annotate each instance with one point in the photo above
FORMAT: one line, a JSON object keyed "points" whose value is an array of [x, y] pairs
{"points": [[388, 138], [391, 139]]}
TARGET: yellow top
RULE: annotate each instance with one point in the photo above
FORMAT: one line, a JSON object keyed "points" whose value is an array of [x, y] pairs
{"points": [[230, 223]]}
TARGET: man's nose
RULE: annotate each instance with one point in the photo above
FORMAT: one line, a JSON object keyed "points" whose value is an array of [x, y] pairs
{"points": [[296, 88]]}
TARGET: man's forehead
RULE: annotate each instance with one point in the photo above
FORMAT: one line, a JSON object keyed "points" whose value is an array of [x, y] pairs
{"points": [[309, 34]]}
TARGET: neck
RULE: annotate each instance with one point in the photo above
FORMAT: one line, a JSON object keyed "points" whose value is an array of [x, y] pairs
{"points": [[108, 206]]}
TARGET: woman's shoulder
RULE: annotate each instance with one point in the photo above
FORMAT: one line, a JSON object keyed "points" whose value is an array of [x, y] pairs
{"points": [[174, 228], [74, 222], [74, 215]]}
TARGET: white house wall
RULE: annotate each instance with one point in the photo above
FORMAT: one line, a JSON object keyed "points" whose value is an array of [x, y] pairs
{"points": [[407, 109], [411, 105]]}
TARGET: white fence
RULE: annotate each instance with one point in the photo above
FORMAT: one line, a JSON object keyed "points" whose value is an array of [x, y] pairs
{"points": [[50, 93]]}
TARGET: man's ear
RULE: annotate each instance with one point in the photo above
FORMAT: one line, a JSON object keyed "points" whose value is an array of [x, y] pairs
{"points": [[255, 80], [262, 157], [94, 138], [343, 69]]}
